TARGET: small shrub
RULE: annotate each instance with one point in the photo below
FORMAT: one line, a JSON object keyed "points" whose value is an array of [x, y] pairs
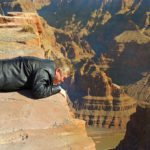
{"points": [[28, 28]]}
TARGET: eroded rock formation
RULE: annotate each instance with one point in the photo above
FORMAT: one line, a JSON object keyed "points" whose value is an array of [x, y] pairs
{"points": [[138, 130], [117, 29], [141, 89], [97, 100]]}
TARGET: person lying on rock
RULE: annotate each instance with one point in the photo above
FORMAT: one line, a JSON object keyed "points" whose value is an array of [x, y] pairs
{"points": [[42, 76]]}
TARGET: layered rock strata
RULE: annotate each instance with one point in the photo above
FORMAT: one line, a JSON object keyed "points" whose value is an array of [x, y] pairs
{"points": [[17, 41], [138, 130], [107, 112], [97, 100], [19, 19]]}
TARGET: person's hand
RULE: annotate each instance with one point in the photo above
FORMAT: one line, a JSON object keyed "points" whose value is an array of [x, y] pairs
{"points": [[63, 92]]}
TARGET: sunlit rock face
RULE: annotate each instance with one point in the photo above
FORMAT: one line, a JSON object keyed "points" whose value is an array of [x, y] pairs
{"points": [[44, 124], [40, 124], [18, 42], [97, 100], [138, 130]]}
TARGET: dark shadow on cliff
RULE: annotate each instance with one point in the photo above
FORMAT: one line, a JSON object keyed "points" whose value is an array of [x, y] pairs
{"points": [[129, 66], [26, 93], [103, 35]]}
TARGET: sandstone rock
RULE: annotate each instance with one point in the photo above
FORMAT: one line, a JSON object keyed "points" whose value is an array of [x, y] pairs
{"points": [[22, 18], [39, 124], [141, 89], [27, 124], [73, 48], [17, 42], [138, 131], [40, 3], [97, 100]]}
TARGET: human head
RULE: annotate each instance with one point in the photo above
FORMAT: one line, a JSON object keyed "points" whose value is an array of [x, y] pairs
{"points": [[63, 68]]}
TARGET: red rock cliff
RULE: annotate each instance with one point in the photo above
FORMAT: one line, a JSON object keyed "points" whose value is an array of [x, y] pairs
{"points": [[45, 124], [97, 100]]}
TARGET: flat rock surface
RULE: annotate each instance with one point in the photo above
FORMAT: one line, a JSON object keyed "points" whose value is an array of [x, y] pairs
{"points": [[21, 112], [44, 124], [18, 43], [15, 35]]}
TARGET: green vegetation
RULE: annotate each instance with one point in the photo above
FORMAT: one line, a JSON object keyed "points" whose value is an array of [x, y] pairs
{"points": [[28, 28]]}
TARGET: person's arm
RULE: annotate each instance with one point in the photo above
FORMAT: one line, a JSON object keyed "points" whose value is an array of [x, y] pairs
{"points": [[41, 84], [63, 92]]}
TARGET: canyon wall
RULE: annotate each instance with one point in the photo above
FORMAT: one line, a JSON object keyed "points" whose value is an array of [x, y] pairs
{"points": [[138, 130], [26, 123], [22, 5], [97, 100], [118, 30]]}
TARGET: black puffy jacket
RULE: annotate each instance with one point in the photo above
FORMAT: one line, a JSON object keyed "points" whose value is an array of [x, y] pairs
{"points": [[28, 72]]}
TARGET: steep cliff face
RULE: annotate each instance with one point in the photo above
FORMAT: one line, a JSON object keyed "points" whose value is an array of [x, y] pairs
{"points": [[138, 130], [97, 100], [16, 5], [40, 3], [26, 123], [82, 11], [141, 89], [63, 44], [22, 5]]}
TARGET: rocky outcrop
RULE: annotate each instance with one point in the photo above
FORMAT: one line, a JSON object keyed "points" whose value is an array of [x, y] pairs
{"points": [[40, 3], [74, 47], [97, 100], [25, 42], [20, 19], [18, 41], [141, 89], [40, 124], [63, 44], [131, 55], [138, 130], [34, 124], [22, 5]]}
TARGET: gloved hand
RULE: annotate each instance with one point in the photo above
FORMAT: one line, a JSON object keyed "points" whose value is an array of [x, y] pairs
{"points": [[63, 92]]}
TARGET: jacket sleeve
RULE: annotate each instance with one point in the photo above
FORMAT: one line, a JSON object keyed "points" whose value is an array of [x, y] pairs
{"points": [[42, 84]]}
